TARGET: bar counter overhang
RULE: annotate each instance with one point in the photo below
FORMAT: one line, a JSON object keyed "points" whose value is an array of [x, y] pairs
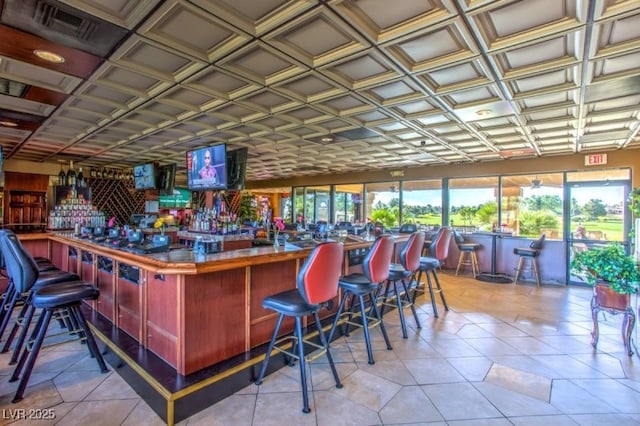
{"points": [[185, 331]]}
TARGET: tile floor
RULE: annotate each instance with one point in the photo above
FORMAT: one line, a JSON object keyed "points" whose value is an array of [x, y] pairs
{"points": [[503, 355]]}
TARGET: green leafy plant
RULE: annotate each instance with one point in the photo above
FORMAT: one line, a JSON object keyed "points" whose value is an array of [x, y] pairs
{"points": [[608, 263], [634, 201]]}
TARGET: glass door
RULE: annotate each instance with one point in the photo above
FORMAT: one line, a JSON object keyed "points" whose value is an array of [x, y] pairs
{"points": [[598, 216]]}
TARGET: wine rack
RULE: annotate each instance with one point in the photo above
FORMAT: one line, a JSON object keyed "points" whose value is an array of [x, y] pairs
{"points": [[116, 197], [198, 199]]}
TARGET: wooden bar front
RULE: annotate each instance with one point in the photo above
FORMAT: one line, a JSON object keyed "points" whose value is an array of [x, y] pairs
{"points": [[192, 311]]}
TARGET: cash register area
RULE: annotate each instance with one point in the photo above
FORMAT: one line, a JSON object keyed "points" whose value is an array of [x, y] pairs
{"points": [[502, 355]]}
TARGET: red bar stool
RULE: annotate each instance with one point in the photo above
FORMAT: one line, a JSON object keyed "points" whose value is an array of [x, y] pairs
{"points": [[317, 283], [375, 268], [429, 266], [406, 269]]}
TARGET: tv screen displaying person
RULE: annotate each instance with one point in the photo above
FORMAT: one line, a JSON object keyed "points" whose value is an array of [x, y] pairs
{"points": [[207, 171], [207, 168]]}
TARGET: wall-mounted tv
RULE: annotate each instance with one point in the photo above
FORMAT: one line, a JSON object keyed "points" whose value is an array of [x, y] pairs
{"points": [[236, 168], [145, 175], [166, 179], [207, 168]]}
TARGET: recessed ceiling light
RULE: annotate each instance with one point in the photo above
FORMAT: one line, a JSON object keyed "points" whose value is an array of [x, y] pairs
{"points": [[8, 123], [327, 139], [484, 112], [49, 56]]}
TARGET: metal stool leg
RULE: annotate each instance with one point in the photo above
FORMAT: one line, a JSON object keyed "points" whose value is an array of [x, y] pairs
{"points": [[431, 293], [439, 290], [325, 343], [343, 300], [410, 302], [367, 338], [303, 367], [383, 329], [403, 323], [267, 356], [26, 321], [33, 354]]}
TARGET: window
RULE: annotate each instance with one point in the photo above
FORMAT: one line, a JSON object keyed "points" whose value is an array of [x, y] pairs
{"points": [[312, 202], [383, 203], [532, 205], [473, 203], [347, 204], [422, 202]]}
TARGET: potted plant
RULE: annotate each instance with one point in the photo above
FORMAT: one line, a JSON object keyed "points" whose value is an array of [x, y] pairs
{"points": [[614, 276], [608, 265]]}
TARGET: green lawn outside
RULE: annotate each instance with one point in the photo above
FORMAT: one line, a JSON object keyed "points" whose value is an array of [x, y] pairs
{"points": [[610, 225]]}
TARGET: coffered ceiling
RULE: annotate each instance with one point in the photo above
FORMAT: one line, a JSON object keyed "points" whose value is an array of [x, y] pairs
{"points": [[316, 87]]}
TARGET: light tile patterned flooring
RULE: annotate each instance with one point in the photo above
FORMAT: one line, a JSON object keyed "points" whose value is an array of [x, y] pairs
{"points": [[503, 355]]}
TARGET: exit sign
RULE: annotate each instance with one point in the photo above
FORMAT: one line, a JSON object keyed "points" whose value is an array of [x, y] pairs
{"points": [[595, 159]]}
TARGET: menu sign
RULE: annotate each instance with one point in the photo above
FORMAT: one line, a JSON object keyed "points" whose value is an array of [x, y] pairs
{"points": [[180, 198]]}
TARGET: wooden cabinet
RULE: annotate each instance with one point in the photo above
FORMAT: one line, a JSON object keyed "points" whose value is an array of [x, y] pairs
{"points": [[162, 316], [26, 211], [87, 267], [73, 260], [105, 281], [129, 300]]}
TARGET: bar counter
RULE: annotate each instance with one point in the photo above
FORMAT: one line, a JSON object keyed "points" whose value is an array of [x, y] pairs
{"points": [[191, 310], [185, 330]]}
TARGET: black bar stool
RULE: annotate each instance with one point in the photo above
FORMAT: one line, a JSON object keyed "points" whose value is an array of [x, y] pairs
{"points": [[406, 269], [66, 297], [317, 283], [375, 268], [47, 275], [530, 253], [468, 255]]}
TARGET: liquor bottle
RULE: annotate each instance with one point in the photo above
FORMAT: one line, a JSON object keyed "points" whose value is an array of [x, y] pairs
{"points": [[93, 172], [110, 175], [62, 177], [104, 172], [71, 175], [80, 179]]}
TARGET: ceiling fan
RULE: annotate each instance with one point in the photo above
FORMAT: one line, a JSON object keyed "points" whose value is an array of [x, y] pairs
{"points": [[536, 183]]}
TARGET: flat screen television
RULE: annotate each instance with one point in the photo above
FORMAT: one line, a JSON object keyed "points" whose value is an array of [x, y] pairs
{"points": [[145, 175], [207, 168], [236, 168], [166, 179]]}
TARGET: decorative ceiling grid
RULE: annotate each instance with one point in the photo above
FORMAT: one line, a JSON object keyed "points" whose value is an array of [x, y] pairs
{"points": [[433, 81]]}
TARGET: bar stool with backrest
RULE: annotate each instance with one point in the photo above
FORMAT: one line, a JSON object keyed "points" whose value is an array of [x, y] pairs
{"points": [[530, 253], [405, 270], [429, 241], [317, 283], [408, 228], [59, 297], [47, 275], [375, 270], [430, 264], [467, 253]]}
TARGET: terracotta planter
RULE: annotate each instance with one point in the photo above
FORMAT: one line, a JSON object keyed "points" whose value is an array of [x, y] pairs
{"points": [[608, 300]]}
